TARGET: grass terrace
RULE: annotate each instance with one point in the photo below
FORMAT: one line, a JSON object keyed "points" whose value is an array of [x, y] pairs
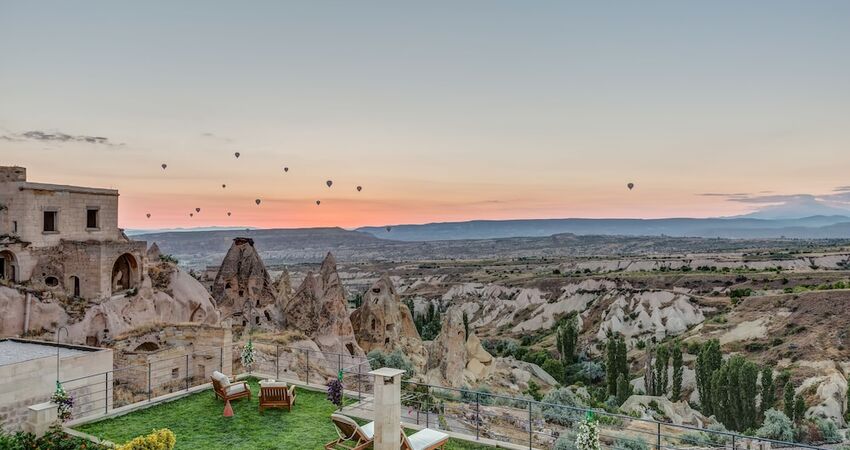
{"points": [[198, 423]]}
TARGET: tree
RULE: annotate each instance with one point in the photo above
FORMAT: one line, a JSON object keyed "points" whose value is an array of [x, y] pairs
{"points": [[616, 362], [678, 371], [709, 361], [768, 395], [662, 360], [611, 365], [624, 389], [555, 368], [788, 400], [567, 339], [799, 408], [465, 326], [734, 389]]}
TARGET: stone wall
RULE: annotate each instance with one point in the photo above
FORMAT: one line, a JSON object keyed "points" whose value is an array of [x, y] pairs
{"points": [[30, 382], [161, 354]]}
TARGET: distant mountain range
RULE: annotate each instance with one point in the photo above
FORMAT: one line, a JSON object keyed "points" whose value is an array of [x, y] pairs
{"points": [[813, 227]]}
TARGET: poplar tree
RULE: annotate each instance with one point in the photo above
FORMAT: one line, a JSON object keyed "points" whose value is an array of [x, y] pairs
{"points": [[662, 360], [768, 394], [788, 400], [709, 361], [678, 371], [624, 389], [567, 339]]}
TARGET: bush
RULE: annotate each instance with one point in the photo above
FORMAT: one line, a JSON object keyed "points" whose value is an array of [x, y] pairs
{"points": [[562, 416], [555, 368], [590, 371], [567, 441], [55, 439], [828, 430], [776, 426], [395, 360], [158, 440], [633, 443]]}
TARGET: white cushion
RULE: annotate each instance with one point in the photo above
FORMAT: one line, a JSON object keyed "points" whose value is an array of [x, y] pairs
{"points": [[368, 430], [221, 378], [273, 384], [235, 389], [426, 438]]}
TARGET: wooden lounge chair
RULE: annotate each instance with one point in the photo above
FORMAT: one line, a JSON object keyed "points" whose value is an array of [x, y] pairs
{"points": [[351, 435], [225, 390], [425, 439], [276, 395]]}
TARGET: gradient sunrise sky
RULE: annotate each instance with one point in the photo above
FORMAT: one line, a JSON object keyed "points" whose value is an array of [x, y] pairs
{"points": [[441, 110]]}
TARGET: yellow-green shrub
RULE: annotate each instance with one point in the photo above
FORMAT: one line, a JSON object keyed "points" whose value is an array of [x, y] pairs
{"points": [[158, 440]]}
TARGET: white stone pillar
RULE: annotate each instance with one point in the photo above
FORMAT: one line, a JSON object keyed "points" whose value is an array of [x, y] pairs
{"points": [[387, 408], [41, 417]]}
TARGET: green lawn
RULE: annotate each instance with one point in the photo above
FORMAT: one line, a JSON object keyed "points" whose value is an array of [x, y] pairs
{"points": [[198, 424]]}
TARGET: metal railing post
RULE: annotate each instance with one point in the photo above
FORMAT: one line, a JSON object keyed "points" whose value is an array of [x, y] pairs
{"points": [[277, 362], [477, 416], [106, 392], [150, 382], [221, 359], [529, 425], [733, 442], [658, 436], [359, 392], [186, 377], [308, 366]]}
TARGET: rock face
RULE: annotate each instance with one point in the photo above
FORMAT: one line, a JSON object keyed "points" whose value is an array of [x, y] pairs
{"points": [[243, 287], [153, 253], [319, 309], [447, 355], [384, 323], [283, 285], [680, 413], [181, 298], [478, 359]]}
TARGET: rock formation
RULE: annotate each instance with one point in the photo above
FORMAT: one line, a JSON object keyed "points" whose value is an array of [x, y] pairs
{"points": [[319, 309], [243, 287], [179, 299], [153, 253], [447, 355], [478, 359], [283, 286], [383, 322]]}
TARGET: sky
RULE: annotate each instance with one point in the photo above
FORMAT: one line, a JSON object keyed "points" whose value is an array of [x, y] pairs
{"points": [[441, 111]]}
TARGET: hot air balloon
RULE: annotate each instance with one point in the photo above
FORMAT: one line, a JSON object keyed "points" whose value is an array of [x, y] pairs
{"points": [[164, 166], [286, 169], [198, 210], [191, 215], [389, 229], [149, 215], [257, 201], [359, 188], [223, 186], [318, 202], [236, 155], [631, 186], [228, 214], [329, 183]]}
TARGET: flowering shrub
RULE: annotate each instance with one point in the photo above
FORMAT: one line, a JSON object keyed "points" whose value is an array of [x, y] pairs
{"points": [[65, 402], [335, 392], [158, 440], [55, 439], [587, 437], [248, 355]]}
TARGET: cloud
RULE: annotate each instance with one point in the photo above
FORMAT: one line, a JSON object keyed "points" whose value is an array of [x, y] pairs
{"points": [[58, 137], [216, 137]]}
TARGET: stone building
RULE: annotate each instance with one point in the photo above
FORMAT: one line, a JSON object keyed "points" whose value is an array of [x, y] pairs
{"points": [[65, 239]]}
